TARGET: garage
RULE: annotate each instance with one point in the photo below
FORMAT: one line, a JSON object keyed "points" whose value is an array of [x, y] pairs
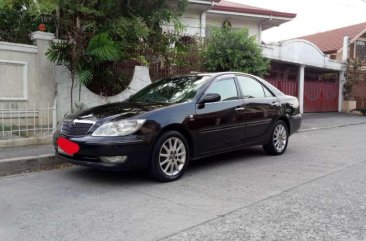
{"points": [[300, 69], [321, 96]]}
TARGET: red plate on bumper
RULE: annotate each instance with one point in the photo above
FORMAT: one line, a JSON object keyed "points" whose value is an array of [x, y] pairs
{"points": [[66, 146]]}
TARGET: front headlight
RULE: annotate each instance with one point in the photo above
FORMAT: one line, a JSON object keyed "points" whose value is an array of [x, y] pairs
{"points": [[119, 128]]}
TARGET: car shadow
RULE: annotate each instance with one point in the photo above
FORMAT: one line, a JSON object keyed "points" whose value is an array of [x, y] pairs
{"points": [[250, 154]]}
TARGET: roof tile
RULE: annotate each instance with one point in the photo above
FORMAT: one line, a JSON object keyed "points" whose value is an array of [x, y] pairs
{"points": [[242, 8], [332, 41]]}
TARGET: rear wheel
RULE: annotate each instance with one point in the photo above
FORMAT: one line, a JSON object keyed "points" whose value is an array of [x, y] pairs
{"points": [[277, 144], [170, 157]]}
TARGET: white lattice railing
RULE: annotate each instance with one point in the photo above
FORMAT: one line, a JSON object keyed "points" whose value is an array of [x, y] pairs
{"points": [[19, 120]]}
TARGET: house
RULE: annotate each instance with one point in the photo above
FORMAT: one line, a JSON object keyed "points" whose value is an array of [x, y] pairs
{"points": [[299, 68], [203, 14], [331, 43]]}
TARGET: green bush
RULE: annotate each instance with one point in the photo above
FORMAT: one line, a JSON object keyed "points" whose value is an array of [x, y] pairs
{"points": [[229, 50], [19, 18]]}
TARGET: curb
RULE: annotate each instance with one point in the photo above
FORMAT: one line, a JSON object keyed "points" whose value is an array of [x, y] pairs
{"points": [[330, 127], [18, 165]]}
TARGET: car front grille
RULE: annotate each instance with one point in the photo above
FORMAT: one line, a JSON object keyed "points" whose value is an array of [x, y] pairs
{"points": [[75, 128]]}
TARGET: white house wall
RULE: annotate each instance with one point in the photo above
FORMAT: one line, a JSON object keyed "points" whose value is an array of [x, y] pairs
{"points": [[236, 23], [192, 22]]}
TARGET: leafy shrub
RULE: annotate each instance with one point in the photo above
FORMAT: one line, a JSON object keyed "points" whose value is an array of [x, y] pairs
{"points": [[229, 50]]}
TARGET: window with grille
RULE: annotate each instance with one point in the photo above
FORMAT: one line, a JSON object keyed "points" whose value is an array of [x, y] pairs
{"points": [[361, 49]]}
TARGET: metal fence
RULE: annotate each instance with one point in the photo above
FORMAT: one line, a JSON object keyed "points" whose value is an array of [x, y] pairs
{"points": [[19, 120]]}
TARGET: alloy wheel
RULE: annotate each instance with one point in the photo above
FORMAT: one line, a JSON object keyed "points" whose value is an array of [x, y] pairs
{"points": [[280, 137], [172, 156]]}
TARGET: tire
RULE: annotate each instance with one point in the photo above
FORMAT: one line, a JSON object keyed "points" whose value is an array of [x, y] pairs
{"points": [[170, 157], [278, 141]]}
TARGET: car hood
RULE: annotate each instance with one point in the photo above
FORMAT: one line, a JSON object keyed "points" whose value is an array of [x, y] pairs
{"points": [[119, 110]]}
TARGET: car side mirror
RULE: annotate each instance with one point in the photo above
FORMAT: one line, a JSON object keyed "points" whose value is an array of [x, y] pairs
{"points": [[210, 98]]}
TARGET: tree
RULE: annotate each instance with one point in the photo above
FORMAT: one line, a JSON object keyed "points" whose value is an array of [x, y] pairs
{"points": [[19, 18], [229, 50], [354, 74], [94, 32]]}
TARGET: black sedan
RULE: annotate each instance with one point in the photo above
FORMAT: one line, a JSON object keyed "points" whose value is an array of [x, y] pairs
{"points": [[175, 120]]}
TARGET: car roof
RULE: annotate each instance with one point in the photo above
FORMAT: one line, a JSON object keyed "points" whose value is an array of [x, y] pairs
{"points": [[215, 74]]}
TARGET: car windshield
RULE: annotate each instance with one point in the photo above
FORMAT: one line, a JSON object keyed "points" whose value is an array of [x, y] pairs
{"points": [[171, 90]]}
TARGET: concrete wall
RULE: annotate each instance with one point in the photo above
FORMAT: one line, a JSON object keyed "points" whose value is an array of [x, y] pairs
{"points": [[26, 76], [301, 52], [141, 78]]}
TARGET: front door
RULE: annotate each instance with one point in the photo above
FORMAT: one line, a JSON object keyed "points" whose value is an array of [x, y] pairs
{"points": [[221, 123], [261, 106]]}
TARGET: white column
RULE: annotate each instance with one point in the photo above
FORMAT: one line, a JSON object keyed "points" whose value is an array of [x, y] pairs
{"points": [[345, 49], [203, 24], [301, 87], [342, 80], [259, 36]]}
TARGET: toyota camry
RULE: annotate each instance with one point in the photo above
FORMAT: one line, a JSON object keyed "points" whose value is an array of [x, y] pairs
{"points": [[175, 120]]}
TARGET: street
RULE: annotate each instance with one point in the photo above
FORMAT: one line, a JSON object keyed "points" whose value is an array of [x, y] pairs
{"points": [[315, 191]]}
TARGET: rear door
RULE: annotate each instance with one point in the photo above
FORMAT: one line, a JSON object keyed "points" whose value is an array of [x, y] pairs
{"points": [[261, 107], [220, 124]]}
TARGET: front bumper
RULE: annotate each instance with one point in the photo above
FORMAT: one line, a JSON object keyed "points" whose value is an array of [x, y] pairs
{"points": [[136, 148]]}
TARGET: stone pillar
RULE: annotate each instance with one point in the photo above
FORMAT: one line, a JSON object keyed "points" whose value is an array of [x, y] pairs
{"points": [[301, 87], [46, 80]]}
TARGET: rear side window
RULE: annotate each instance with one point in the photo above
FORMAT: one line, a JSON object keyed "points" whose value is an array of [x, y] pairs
{"points": [[251, 88], [226, 88]]}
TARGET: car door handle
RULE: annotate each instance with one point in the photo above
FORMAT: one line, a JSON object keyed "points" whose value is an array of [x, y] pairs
{"points": [[239, 109]]}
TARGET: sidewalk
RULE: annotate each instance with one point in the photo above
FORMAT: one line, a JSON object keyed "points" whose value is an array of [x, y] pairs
{"points": [[14, 160]]}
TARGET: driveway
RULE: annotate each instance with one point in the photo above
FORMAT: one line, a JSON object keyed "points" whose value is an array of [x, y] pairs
{"points": [[315, 191]]}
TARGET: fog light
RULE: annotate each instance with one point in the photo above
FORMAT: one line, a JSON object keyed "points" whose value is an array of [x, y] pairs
{"points": [[114, 159]]}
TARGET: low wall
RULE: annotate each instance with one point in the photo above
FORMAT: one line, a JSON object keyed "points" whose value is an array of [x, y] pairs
{"points": [[26, 74], [359, 93], [141, 78]]}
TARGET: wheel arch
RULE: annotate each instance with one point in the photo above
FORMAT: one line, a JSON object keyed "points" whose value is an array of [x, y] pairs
{"points": [[181, 129], [287, 122]]}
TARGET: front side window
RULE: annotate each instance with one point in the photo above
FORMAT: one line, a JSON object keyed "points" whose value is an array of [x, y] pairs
{"points": [[226, 88], [251, 88]]}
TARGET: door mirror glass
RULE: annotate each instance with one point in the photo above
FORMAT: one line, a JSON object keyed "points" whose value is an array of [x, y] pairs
{"points": [[211, 97]]}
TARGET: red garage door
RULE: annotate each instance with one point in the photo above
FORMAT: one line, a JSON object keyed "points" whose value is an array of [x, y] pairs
{"points": [[321, 96]]}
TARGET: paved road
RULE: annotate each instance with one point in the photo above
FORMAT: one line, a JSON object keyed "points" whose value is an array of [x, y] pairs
{"points": [[315, 191]]}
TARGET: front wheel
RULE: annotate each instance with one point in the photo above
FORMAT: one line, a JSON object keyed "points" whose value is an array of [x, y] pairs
{"points": [[277, 144], [170, 157]]}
